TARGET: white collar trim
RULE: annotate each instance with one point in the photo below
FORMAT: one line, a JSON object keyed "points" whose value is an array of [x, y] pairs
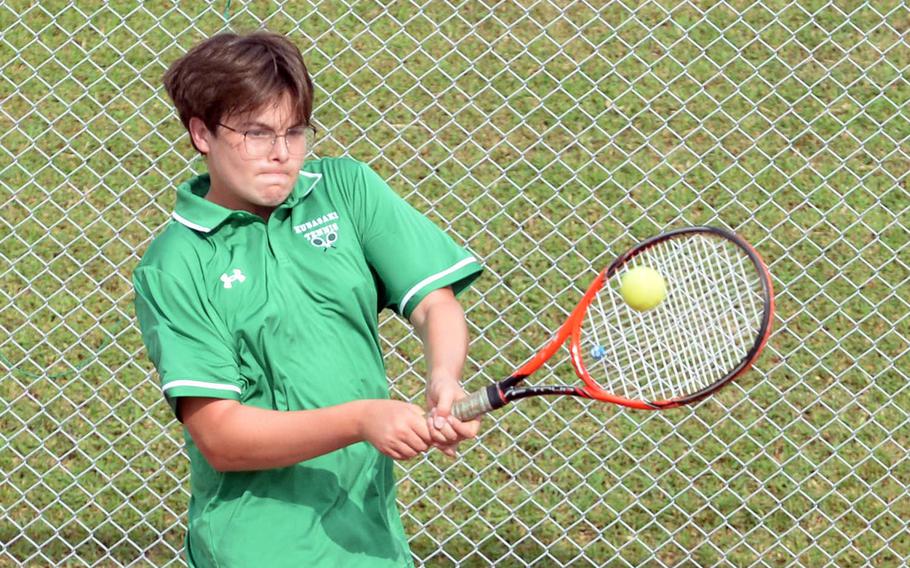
{"points": [[190, 224], [316, 177]]}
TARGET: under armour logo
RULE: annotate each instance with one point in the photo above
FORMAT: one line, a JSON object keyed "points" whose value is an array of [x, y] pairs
{"points": [[229, 280]]}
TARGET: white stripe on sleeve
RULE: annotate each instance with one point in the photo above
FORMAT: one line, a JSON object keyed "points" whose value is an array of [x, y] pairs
{"points": [[201, 385], [430, 279]]}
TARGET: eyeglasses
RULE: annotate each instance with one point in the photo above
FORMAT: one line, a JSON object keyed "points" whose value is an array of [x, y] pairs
{"points": [[259, 142]]}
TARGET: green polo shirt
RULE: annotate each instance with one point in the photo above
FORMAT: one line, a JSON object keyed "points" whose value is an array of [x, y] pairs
{"points": [[283, 315]]}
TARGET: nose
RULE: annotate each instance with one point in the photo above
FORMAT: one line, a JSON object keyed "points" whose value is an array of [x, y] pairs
{"points": [[279, 151]]}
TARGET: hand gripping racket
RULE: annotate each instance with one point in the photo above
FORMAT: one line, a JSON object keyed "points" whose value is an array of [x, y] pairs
{"points": [[710, 328]]}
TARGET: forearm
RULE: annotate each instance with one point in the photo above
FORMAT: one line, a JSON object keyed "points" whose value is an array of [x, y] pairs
{"points": [[445, 338], [440, 322], [237, 437]]}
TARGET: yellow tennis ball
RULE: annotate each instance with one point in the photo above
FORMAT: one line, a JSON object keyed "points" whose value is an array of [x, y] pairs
{"points": [[642, 288]]}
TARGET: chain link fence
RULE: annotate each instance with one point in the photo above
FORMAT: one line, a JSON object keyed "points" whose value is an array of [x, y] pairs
{"points": [[547, 136]]}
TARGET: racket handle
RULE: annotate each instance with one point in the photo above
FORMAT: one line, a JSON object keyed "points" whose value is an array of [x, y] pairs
{"points": [[477, 404]]}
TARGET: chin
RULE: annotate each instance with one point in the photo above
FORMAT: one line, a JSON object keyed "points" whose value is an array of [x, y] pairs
{"points": [[274, 197]]}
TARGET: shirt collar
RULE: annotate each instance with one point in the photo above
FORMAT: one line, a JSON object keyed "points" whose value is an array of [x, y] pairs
{"points": [[306, 181], [196, 212]]}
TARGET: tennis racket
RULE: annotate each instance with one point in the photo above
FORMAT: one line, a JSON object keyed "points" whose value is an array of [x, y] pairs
{"points": [[711, 326]]}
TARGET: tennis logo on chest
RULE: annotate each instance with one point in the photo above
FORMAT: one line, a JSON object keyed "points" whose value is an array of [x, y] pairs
{"points": [[322, 232], [237, 276]]}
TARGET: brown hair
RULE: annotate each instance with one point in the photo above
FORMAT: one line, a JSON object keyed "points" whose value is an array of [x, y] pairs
{"points": [[230, 74]]}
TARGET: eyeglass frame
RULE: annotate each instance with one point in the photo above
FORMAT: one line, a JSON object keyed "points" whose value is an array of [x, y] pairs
{"points": [[275, 136]]}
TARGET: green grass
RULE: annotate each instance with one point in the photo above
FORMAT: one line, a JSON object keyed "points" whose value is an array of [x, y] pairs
{"points": [[547, 140]]}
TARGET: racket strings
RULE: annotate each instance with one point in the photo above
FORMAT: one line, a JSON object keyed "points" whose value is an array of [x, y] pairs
{"points": [[695, 337]]}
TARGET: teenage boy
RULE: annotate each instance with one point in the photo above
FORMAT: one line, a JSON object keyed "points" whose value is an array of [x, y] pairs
{"points": [[259, 308]]}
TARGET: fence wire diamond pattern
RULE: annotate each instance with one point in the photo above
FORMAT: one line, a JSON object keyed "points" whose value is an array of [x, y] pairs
{"points": [[547, 136]]}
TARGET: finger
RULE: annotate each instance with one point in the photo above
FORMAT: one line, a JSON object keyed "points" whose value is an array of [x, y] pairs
{"points": [[414, 446], [420, 426], [438, 436], [448, 432], [448, 450], [404, 451], [465, 430], [415, 440], [422, 430], [440, 428], [395, 455]]}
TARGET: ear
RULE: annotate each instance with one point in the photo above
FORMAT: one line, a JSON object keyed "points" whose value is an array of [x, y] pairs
{"points": [[200, 135]]}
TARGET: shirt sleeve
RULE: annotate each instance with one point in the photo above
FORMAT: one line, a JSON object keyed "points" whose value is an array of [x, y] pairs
{"points": [[409, 254], [190, 351]]}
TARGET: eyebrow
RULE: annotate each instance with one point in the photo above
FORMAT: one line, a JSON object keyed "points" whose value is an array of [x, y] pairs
{"points": [[253, 123]]}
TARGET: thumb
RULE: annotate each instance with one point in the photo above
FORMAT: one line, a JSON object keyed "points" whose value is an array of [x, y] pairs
{"points": [[443, 407], [445, 401]]}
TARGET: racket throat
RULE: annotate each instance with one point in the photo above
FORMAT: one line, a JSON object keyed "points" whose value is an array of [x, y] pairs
{"points": [[546, 390], [496, 398]]}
